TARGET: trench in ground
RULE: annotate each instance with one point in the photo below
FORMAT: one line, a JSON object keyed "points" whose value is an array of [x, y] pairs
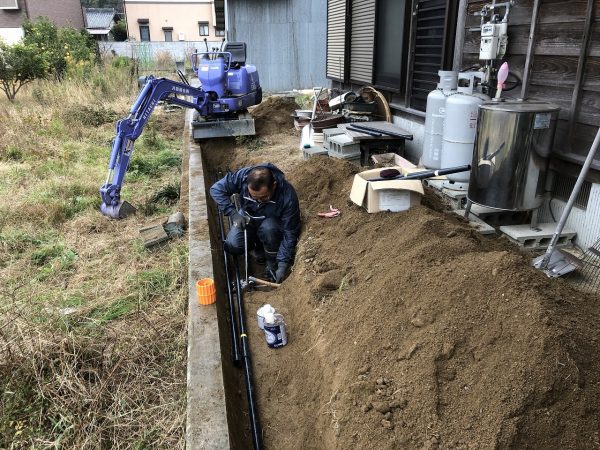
{"points": [[233, 379]]}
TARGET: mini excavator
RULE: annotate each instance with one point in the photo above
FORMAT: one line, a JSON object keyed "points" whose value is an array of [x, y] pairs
{"points": [[228, 87]]}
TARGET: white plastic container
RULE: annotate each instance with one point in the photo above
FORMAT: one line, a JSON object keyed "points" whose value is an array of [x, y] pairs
{"points": [[460, 129], [275, 330], [434, 119], [260, 314]]}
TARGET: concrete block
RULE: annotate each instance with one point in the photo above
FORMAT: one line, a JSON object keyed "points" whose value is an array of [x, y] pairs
{"points": [[476, 222], [343, 144], [328, 133], [538, 238], [153, 235], [307, 153]]}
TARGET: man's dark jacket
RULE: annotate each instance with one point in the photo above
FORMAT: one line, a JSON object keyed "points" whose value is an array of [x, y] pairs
{"points": [[283, 205]]}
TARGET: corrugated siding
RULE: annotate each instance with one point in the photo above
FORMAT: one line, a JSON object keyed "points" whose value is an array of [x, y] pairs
{"points": [[362, 40], [285, 40], [336, 38], [585, 221]]}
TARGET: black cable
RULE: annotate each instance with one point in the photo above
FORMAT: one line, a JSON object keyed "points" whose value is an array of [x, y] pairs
{"points": [[550, 209]]}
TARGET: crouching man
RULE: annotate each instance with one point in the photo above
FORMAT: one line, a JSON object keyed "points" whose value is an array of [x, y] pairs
{"points": [[269, 212]]}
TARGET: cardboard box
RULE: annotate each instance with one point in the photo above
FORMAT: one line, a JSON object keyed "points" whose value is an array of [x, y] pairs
{"points": [[387, 195], [392, 159]]}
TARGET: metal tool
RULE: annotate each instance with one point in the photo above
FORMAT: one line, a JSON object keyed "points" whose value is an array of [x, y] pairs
{"points": [[544, 262], [254, 282]]}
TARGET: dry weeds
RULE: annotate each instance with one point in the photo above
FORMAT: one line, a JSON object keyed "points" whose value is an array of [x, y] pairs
{"points": [[92, 325]]}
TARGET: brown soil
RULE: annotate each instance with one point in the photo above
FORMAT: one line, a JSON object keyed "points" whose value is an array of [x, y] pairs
{"points": [[410, 331]]}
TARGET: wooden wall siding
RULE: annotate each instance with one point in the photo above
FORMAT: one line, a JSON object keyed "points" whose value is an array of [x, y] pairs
{"points": [[559, 38], [336, 39], [362, 40]]}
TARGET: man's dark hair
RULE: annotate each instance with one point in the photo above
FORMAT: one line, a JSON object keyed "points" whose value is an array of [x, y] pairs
{"points": [[260, 177]]}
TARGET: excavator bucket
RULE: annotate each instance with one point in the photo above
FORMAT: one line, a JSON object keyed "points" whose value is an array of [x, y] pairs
{"points": [[206, 129], [120, 211]]}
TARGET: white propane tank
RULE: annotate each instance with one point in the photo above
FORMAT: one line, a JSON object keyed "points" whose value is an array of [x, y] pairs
{"points": [[460, 128], [434, 119]]}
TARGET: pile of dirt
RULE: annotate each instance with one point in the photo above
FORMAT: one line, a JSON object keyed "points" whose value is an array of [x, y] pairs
{"points": [[409, 330], [274, 115]]}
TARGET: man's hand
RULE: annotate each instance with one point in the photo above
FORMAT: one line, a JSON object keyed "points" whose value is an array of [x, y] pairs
{"points": [[239, 220], [280, 272]]}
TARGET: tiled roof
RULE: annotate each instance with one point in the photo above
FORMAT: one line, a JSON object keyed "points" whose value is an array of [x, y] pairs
{"points": [[98, 17]]}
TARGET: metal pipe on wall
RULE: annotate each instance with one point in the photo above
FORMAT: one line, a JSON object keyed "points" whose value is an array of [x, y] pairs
{"points": [[459, 40], [530, 50], [583, 53]]}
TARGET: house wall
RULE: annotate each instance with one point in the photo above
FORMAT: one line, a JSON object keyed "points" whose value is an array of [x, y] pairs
{"points": [[64, 13], [285, 40], [182, 15], [12, 18]]}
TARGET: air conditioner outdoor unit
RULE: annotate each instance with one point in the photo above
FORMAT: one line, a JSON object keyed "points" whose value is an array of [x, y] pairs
{"points": [[182, 36], [9, 4]]}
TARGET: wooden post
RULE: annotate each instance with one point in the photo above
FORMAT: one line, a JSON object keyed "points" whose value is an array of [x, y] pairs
{"points": [[530, 50], [583, 53], [459, 40]]}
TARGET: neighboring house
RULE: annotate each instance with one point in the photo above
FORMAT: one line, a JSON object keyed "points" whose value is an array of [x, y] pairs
{"points": [[172, 20], [398, 47], [64, 13], [99, 21], [285, 40]]}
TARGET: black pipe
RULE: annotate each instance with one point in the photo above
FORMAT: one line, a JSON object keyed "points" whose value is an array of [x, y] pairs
{"points": [[235, 351], [426, 174], [255, 428], [252, 408]]}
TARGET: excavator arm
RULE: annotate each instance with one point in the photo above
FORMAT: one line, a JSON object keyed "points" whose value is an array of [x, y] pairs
{"points": [[131, 127]]}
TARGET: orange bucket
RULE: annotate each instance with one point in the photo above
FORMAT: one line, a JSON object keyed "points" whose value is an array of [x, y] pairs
{"points": [[205, 290]]}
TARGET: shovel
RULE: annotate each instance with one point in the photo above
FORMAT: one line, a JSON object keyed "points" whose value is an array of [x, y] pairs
{"points": [[557, 265]]}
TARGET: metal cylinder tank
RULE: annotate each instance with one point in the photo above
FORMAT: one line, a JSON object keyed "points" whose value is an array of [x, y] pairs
{"points": [[434, 119], [512, 149], [460, 127]]}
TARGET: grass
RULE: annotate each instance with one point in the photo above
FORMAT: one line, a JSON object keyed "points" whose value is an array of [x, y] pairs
{"points": [[92, 324]]}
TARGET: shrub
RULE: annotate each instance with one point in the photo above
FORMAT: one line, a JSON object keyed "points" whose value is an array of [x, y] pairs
{"points": [[63, 47], [20, 64], [119, 31]]}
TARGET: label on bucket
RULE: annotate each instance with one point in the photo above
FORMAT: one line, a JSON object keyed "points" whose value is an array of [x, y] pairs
{"points": [[275, 335]]}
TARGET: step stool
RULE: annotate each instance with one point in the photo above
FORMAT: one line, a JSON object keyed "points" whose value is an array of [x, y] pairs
{"points": [[328, 133], [343, 145]]}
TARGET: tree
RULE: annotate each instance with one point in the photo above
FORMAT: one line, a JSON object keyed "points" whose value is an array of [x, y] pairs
{"points": [[119, 31], [20, 64], [60, 45]]}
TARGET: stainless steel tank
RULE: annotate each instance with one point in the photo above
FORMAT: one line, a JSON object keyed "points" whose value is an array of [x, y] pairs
{"points": [[511, 154]]}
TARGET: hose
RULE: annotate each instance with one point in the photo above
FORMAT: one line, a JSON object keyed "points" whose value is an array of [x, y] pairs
{"points": [[255, 428]]}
